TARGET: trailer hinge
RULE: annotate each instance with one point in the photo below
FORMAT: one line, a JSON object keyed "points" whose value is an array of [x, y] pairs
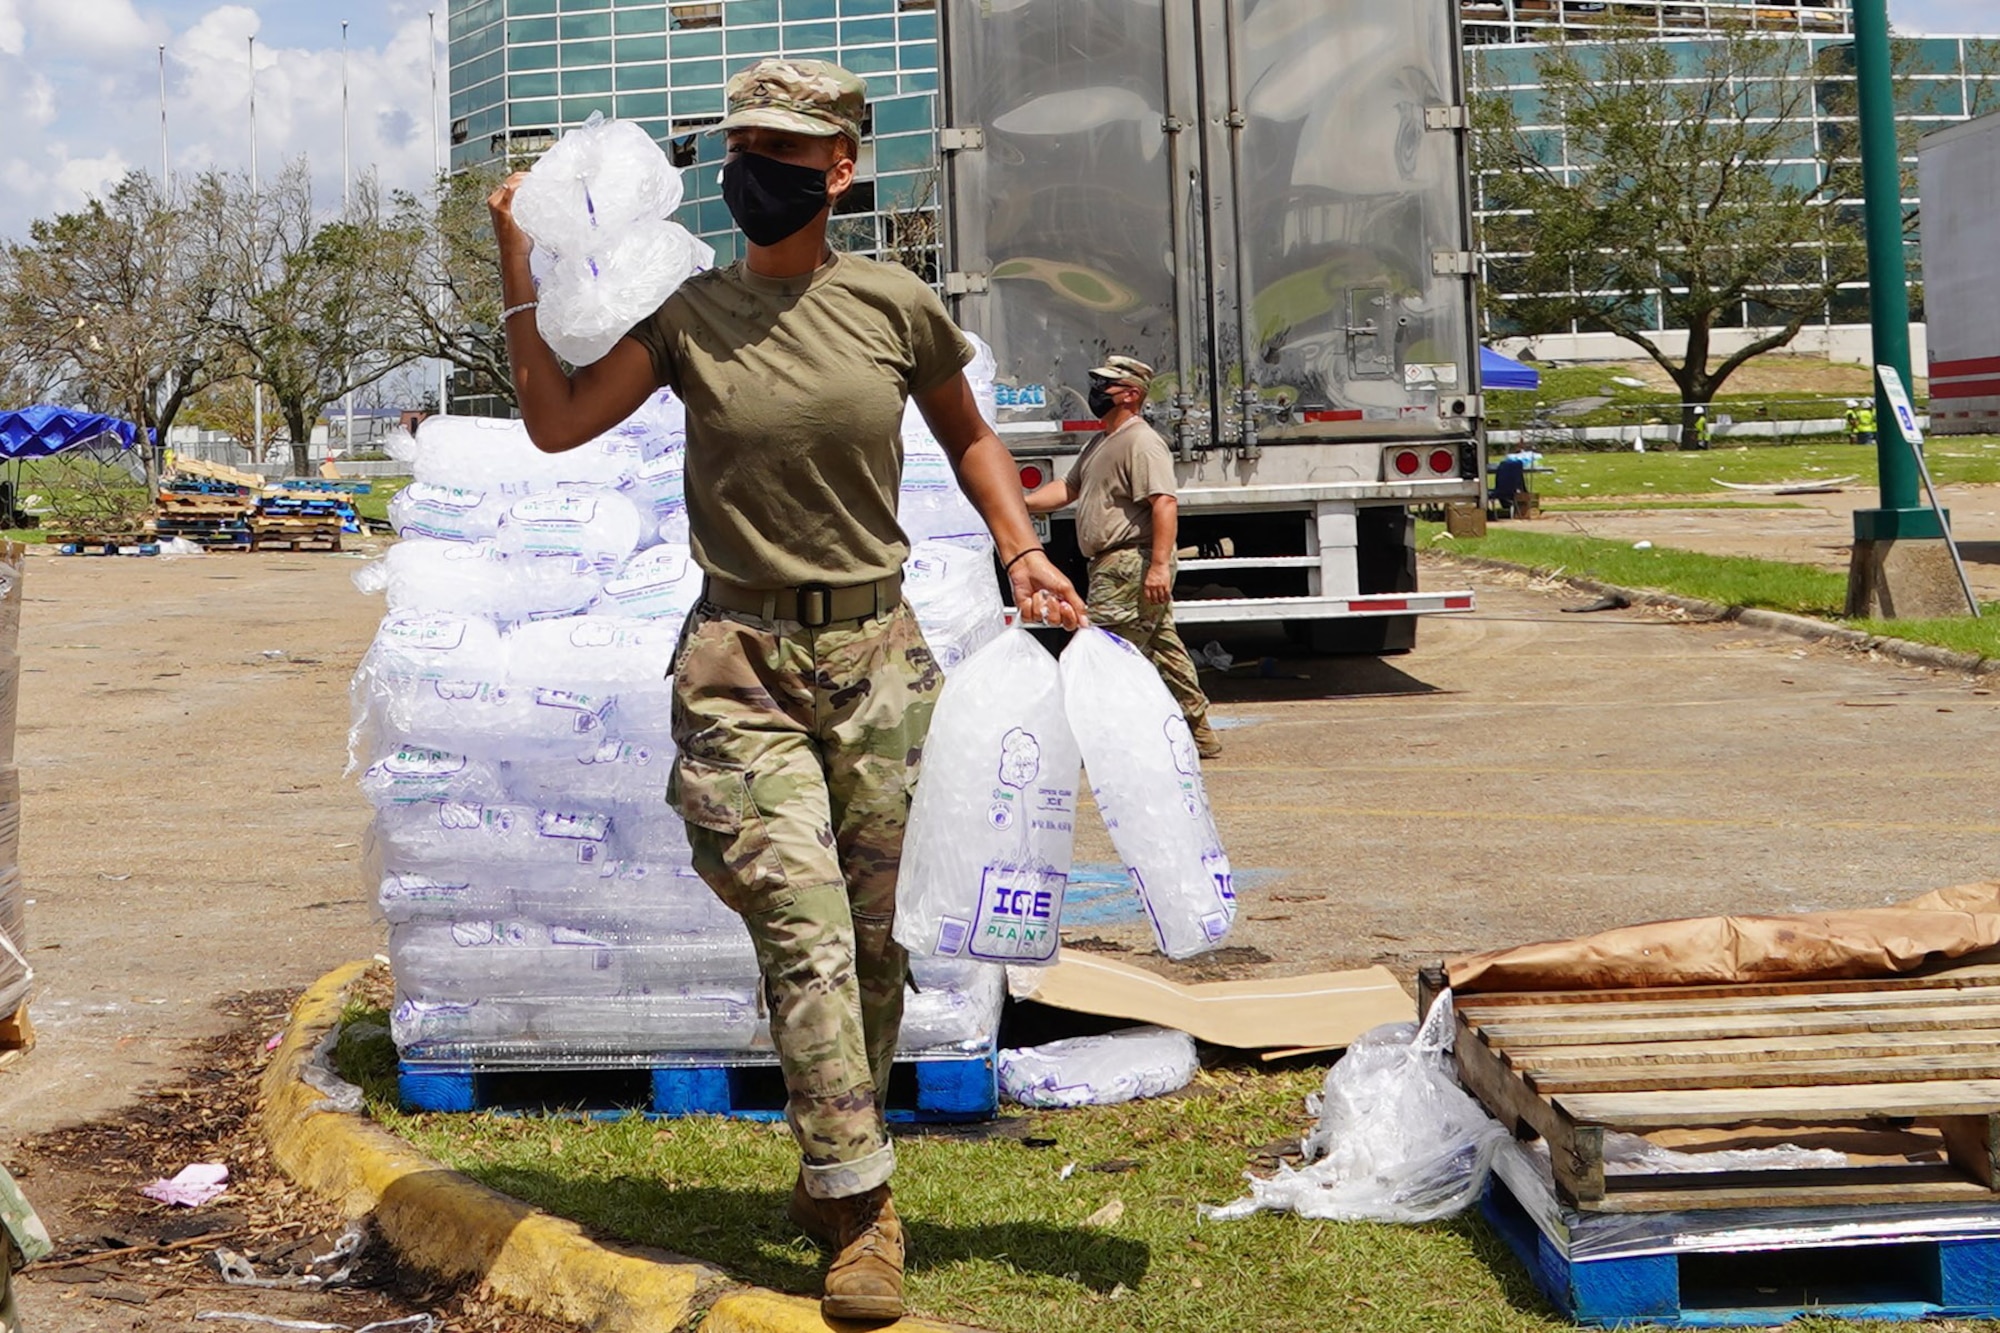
{"points": [[1446, 118], [1454, 263], [964, 284], [962, 139], [1173, 125]]}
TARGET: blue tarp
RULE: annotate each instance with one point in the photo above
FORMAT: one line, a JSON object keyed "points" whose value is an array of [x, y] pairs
{"points": [[37, 432], [1504, 372]]}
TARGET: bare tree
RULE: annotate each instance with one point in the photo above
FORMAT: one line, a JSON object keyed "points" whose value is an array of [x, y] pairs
{"points": [[448, 299], [312, 304]]}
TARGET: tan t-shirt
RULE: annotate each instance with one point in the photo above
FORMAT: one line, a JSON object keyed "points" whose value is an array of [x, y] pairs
{"points": [[1115, 479], [795, 390]]}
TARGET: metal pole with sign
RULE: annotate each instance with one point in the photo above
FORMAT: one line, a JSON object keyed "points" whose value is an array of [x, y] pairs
{"points": [[1904, 414]]}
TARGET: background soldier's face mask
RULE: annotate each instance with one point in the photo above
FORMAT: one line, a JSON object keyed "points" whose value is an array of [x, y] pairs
{"points": [[1101, 401], [769, 199]]}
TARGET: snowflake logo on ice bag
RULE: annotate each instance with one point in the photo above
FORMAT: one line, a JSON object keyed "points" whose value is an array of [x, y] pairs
{"points": [[1020, 764]]}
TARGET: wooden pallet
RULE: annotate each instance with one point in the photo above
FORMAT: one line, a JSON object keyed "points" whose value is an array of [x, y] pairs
{"points": [[17, 1036], [930, 1090], [1889, 1279], [195, 467], [1836, 1062]]}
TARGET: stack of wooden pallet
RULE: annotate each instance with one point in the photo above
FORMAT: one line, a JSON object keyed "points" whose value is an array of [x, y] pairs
{"points": [[213, 514], [300, 521], [1898, 1077]]}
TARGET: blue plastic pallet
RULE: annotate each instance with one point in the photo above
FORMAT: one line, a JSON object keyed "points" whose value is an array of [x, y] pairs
{"points": [[954, 1090], [1885, 1280]]}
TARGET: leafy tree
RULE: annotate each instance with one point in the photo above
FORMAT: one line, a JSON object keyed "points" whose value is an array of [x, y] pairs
{"points": [[114, 306], [1657, 199]]}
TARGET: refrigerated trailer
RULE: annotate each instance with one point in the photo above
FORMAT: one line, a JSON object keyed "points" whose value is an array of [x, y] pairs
{"points": [[1267, 201], [1958, 174]]}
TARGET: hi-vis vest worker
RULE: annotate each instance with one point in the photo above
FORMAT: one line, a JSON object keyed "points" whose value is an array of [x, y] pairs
{"points": [[802, 687]]}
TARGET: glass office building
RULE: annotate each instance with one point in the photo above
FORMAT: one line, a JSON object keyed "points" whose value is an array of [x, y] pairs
{"points": [[525, 71], [1943, 80]]}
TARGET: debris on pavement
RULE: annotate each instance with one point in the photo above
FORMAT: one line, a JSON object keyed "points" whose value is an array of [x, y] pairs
{"points": [[192, 1186]]}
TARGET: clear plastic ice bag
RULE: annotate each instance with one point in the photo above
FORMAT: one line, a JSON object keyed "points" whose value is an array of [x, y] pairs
{"points": [[477, 578], [955, 593], [1397, 1140], [444, 513], [599, 178], [987, 855], [1146, 779], [592, 297], [595, 524], [1099, 1071], [412, 773], [662, 583], [929, 503]]}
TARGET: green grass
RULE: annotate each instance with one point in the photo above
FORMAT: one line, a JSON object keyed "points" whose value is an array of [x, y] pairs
{"points": [[1968, 460], [381, 490], [1629, 406], [996, 1235], [1729, 580], [1609, 506]]}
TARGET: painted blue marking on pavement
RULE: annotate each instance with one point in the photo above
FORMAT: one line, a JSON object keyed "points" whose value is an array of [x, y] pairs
{"points": [[1100, 893]]}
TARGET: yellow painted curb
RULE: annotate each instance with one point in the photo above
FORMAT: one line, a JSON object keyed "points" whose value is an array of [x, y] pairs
{"points": [[448, 1224], [759, 1311]]}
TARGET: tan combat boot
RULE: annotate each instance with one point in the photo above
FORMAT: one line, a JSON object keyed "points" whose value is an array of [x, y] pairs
{"points": [[807, 1214], [865, 1280]]}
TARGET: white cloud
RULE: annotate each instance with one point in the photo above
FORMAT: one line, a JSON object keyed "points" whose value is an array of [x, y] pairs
{"points": [[13, 33], [78, 178], [85, 27]]}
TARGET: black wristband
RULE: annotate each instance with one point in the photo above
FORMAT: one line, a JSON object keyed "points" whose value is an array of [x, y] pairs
{"points": [[1008, 568]]}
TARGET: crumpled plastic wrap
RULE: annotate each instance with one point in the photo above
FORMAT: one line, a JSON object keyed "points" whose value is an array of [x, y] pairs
{"points": [[1398, 1139], [1146, 778]]}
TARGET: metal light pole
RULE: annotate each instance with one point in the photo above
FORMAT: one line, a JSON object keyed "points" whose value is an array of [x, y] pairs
{"points": [[1901, 565], [346, 197], [165, 177], [437, 183], [257, 386]]}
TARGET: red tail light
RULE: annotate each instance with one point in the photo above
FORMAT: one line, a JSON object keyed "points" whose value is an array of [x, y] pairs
{"points": [[1444, 462], [1032, 478], [1408, 463]]}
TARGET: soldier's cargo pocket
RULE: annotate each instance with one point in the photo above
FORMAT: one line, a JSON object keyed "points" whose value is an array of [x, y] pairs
{"points": [[731, 842]]}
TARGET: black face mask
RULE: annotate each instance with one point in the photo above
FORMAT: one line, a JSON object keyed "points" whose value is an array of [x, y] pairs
{"points": [[1101, 401], [769, 199]]}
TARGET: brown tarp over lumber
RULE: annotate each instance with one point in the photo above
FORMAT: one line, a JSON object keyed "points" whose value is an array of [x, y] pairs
{"points": [[1817, 946]]}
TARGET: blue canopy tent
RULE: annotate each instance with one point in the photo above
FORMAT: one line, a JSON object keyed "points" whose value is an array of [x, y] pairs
{"points": [[37, 432], [44, 431], [1504, 372]]}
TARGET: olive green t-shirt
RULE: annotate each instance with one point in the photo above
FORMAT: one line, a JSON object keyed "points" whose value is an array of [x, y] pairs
{"points": [[795, 390], [1114, 480]]}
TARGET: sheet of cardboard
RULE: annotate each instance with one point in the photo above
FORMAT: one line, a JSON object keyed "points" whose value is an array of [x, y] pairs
{"points": [[1313, 1012]]}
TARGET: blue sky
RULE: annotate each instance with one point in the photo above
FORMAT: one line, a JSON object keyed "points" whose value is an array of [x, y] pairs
{"points": [[79, 89]]}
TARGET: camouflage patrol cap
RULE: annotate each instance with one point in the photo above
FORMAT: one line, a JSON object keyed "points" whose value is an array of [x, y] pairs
{"points": [[1126, 370], [815, 97]]}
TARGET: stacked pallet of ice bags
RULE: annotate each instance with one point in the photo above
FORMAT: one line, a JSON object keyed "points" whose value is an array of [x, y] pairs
{"points": [[513, 718]]}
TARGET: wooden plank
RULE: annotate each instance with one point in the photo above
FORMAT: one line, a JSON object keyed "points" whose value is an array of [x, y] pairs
{"points": [[1752, 1050], [1973, 1144], [1576, 1155], [1927, 1068], [1526, 1033], [1666, 1198], [1789, 1105], [16, 1032], [1749, 1004], [1970, 974]]}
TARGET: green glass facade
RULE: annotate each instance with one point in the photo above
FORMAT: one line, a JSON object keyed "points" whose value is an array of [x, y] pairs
{"points": [[525, 71], [1941, 81]]}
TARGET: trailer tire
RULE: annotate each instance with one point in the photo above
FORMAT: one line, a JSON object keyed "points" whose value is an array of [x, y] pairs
{"points": [[1365, 636]]}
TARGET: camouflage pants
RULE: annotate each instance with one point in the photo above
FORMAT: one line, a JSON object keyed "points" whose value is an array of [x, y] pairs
{"points": [[798, 751], [1118, 603]]}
